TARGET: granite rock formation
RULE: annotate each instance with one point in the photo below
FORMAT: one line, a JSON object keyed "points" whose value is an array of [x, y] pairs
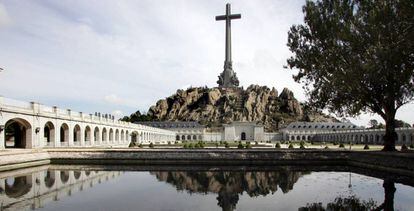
{"points": [[215, 106]]}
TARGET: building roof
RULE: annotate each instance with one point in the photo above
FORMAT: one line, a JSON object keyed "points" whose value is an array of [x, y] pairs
{"points": [[171, 124], [321, 126]]}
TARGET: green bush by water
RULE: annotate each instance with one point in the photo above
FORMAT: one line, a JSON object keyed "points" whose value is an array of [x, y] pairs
{"points": [[290, 146], [366, 146], [277, 145]]}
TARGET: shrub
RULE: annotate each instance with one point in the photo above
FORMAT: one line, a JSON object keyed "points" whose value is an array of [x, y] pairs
{"points": [[185, 146], [290, 146], [240, 146], [248, 146], [302, 143], [277, 145], [151, 145], [190, 146], [326, 147], [221, 142], [256, 143], [140, 145], [217, 145], [226, 145], [366, 146], [341, 145], [302, 146], [411, 146], [169, 142], [404, 147], [335, 143], [132, 144]]}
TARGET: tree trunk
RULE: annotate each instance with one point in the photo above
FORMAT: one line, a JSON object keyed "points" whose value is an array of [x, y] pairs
{"points": [[390, 134], [389, 190]]}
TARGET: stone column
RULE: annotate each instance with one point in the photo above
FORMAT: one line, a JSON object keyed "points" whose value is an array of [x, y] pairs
{"points": [[70, 135], [2, 141], [82, 135]]}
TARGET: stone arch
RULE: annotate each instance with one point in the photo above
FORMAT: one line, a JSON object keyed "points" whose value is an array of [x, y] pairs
{"points": [[292, 138], [303, 138], [116, 135], [111, 135], [377, 139], [243, 136], [87, 134], [49, 179], [177, 137], [126, 135], [18, 133], [64, 176], [188, 137], [134, 137], [200, 137], [49, 133], [77, 174], [64, 133], [403, 138], [122, 135], [194, 137], [96, 134], [17, 187], [76, 134], [298, 138], [183, 137], [104, 135]]}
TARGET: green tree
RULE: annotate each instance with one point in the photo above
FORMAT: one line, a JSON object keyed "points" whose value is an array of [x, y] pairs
{"points": [[356, 56], [373, 123], [137, 117]]}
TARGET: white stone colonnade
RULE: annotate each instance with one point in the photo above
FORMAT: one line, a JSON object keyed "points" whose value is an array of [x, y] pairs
{"points": [[33, 125]]}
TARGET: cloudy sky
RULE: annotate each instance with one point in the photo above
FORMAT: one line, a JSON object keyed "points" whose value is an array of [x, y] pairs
{"points": [[122, 56]]}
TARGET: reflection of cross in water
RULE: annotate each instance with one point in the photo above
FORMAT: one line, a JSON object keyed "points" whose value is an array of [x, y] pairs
{"points": [[350, 183]]}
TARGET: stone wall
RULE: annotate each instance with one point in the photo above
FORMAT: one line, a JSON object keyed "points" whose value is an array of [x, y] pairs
{"points": [[396, 162]]}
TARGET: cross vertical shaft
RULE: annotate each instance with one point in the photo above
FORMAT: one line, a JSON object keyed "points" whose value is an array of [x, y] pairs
{"points": [[228, 33], [228, 78]]}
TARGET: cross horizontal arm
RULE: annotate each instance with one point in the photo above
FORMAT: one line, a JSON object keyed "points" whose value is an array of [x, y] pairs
{"points": [[220, 17], [235, 16], [224, 17]]}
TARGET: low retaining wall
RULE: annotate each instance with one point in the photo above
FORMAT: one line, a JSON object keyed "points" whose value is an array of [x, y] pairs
{"points": [[395, 162]]}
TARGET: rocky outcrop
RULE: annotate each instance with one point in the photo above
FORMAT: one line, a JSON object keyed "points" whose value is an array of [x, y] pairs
{"points": [[215, 106]]}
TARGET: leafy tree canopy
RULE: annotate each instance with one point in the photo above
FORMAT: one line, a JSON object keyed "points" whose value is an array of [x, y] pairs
{"points": [[137, 117], [356, 56]]}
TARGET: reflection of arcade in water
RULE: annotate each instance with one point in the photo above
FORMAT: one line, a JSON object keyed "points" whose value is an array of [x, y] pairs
{"points": [[229, 185], [26, 190]]}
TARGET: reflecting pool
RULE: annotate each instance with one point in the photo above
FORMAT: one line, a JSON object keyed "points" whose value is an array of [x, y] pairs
{"points": [[168, 188]]}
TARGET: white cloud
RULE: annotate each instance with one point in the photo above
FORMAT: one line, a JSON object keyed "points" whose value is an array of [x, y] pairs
{"points": [[5, 19], [115, 100], [117, 113], [139, 51]]}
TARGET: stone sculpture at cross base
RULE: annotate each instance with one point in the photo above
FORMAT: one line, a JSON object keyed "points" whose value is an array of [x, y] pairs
{"points": [[228, 78]]}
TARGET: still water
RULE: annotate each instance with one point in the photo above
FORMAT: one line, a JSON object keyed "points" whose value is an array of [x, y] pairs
{"points": [[284, 188]]}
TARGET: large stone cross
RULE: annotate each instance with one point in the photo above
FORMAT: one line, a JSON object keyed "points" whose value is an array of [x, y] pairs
{"points": [[228, 78]]}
